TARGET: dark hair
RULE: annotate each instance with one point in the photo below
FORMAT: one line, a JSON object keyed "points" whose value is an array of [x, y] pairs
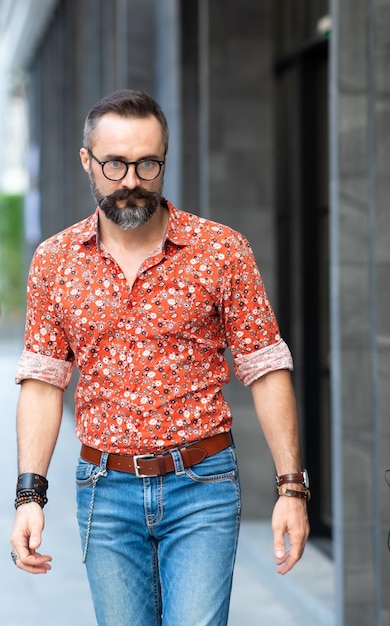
{"points": [[126, 103]]}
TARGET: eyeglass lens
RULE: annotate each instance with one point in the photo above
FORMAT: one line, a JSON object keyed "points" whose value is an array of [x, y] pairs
{"points": [[146, 170]]}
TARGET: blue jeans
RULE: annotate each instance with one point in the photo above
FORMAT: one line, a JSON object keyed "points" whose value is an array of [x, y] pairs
{"points": [[160, 551]]}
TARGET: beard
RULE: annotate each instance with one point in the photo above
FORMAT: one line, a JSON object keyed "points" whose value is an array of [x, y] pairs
{"points": [[132, 215]]}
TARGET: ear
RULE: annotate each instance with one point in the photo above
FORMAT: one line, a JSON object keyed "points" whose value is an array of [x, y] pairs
{"points": [[85, 160]]}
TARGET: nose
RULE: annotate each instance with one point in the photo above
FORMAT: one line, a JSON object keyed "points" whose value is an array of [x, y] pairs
{"points": [[131, 180]]}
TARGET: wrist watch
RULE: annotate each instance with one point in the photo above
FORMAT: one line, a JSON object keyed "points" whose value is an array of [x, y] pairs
{"points": [[301, 478]]}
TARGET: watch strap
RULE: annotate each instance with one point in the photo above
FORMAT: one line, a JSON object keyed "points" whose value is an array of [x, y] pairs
{"points": [[284, 479]]}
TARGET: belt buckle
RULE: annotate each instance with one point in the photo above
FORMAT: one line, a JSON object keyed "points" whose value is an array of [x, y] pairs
{"points": [[136, 457]]}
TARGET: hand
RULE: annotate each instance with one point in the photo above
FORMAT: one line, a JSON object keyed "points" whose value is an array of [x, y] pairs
{"points": [[26, 538], [289, 516]]}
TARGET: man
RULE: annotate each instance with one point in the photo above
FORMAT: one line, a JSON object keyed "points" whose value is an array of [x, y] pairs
{"points": [[145, 299]]}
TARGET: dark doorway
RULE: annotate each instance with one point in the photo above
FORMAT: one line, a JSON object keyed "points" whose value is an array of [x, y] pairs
{"points": [[303, 260], [315, 266]]}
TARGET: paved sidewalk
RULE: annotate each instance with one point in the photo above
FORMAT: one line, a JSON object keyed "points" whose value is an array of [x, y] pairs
{"points": [[61, 598]]}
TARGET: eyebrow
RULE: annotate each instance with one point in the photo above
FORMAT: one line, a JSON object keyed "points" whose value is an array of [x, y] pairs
{"points": [[116, 157]]}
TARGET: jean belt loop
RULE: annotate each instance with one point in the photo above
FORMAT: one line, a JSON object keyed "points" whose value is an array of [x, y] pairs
{"points": [[103, 465], [178, 462]]}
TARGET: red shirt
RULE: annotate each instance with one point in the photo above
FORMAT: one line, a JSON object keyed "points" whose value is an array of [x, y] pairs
{"points": [[151, 358]]}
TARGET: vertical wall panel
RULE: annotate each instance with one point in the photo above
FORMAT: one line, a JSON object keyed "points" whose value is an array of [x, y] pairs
{"points": [[359, 86]]}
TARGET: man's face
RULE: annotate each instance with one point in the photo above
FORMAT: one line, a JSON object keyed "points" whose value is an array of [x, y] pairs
{"points": [[130, 202]]}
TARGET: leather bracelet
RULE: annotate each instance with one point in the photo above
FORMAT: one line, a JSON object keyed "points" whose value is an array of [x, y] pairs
{"points": [[291, 493], [301, 478], [32, 481]]}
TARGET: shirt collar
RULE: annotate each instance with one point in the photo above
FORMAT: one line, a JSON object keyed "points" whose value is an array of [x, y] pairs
{"points": [[178, 232], [89, 228], [180, 227]]}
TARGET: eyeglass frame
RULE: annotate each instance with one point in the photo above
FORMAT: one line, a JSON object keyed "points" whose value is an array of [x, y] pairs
{"points": [[127, 163]]}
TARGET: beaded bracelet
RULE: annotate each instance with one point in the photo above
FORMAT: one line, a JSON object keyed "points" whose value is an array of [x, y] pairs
{"points": [[25, 496]]}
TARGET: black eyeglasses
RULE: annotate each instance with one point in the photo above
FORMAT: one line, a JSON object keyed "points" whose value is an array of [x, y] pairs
{"points": [[146, 169]]}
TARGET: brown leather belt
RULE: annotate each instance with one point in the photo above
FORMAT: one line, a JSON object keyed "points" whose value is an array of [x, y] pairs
{"points": [[143, 465]]}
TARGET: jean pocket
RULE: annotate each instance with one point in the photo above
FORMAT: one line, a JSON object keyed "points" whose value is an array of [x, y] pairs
{"points": [[216, 468], [85, 473]]}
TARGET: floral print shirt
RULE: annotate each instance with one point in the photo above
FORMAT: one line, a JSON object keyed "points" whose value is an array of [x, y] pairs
{"points": [[151, 358]]}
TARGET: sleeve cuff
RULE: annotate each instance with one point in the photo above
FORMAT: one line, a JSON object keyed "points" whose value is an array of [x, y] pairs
{"points": [[250, 367], [44, 368]]}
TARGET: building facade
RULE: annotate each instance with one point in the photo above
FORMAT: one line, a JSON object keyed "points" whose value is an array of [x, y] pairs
{"points": [[278, 112]]}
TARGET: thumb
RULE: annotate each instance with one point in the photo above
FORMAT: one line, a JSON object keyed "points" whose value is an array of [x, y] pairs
{"points": [[34, 526], [279, 546], [35, 539], [279, 528]]}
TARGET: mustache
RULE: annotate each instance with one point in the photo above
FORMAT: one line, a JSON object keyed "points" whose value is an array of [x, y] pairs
{"points": [[130, 195]]}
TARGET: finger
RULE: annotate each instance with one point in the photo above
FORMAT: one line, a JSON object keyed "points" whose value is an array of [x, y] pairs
{"points": [[29, 559], [33, 562], [294, 553], [34, 569], [279, 546], [284, 565], [287, 563], [287, 556], [37, 563], [297, 546]]}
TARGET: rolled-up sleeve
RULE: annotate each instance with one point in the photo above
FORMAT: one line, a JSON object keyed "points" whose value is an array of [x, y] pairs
{"points": [[44, 368], [251, 327], [250, 367], [47, 355]]}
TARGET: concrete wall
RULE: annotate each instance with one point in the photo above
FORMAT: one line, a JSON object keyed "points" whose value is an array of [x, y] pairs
{"points": [[360, 232]]}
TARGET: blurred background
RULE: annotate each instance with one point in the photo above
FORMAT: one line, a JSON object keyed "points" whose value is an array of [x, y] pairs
{"points": [[279, 114]]}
